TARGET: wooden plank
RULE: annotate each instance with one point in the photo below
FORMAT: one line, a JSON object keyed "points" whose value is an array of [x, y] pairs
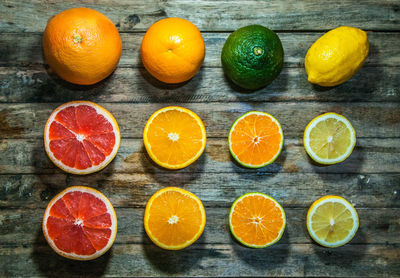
{"points": [[28, 157], [212, 15], [25, 49], [34, 84], [297, 190], [208, 260], [374, 119], [378, 226]]}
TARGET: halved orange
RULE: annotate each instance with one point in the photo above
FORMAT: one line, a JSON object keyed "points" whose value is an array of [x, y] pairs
{"points": [[80, 223], [174, 137], [255, 139], [174, 218], [81, 137], [256, 220]]}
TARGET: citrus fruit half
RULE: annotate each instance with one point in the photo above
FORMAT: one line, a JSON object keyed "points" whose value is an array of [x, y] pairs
{"points": [[255, 139], [174, 218], [81, 137], [172, 50], [82, 45], [80, 223], [332, 221], [256, 220], [336, 56], [329, 138], [252, 56], [174, 137]]}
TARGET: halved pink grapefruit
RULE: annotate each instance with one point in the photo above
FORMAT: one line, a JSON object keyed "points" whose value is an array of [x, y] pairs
{"points": [[81, 137], [80, 223]]}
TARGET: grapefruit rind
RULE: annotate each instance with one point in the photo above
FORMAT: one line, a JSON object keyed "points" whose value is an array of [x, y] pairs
{"points": [[272, 159], [110, 209], [100, 110], [265, 196], [313, 123], [322, 201], [148, 146], [147, 217]]}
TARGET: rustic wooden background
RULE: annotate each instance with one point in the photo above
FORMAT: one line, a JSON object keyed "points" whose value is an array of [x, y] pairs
{"points": [[370, 178]]}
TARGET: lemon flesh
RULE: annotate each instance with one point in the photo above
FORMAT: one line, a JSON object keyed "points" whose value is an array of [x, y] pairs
{"points": [[329, 138], [332, 221], [336, 56]]}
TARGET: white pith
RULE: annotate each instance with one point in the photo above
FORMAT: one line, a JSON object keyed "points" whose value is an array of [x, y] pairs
{"points": [[80, 138], [110, 210], [173, 219], [173, 136]]}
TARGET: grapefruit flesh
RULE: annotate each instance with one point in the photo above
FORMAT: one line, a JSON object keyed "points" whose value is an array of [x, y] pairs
{"points": [[81, 138], [80, 224]]}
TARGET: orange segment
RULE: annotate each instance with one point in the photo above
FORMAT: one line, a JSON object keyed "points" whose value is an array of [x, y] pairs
{"points": [[255, 139], [174, 137], [174, 218], [256, 220], [81, 137], [80, 223]]}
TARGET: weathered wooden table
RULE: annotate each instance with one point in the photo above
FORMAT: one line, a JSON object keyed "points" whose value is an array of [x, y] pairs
{"points": [[370, 178]]}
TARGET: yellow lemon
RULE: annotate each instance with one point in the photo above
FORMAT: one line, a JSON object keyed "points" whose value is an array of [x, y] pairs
{"points": [[332, 221], [329, 138], [336, 56]]}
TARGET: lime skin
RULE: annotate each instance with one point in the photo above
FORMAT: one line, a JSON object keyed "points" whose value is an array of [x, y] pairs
{"points": [[252, 57]]}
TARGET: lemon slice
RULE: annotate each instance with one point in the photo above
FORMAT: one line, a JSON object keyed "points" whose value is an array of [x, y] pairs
{"points": [[332, 221], [329, 138]]}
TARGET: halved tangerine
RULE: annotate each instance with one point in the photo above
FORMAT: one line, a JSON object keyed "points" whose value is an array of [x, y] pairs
{"points": [[80, 223], [81, 137], [255, 139], [256, 220]]}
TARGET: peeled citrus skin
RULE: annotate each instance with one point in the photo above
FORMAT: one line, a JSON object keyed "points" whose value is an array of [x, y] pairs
{"points": [[82, 45], [252, 57], [336, 56]]}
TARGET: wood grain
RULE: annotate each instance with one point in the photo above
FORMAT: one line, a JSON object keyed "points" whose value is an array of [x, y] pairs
{"points": [[380, 225], [213, 15], [25, 49], [28, 157], [34, 84], [208, 260], [383, 118], [215, 190]]}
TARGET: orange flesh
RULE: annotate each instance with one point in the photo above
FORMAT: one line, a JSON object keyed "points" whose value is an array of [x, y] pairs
{"points": [[256, 139], [175, 137], [80, 137], [174, 218], [79, 223], [256, 220]]}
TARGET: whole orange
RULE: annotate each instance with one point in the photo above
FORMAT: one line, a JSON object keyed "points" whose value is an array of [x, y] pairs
{"points": [[173, 50], [82, 45]]}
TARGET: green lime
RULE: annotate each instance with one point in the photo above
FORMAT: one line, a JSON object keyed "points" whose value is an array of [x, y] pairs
{"points": [[252, 56]]}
